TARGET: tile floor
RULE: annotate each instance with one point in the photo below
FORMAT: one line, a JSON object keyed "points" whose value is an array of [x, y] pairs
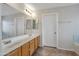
{"points": [[48, 51]]}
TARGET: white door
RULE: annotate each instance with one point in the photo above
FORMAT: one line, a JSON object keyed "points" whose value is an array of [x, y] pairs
{"points": [[49, 30]]}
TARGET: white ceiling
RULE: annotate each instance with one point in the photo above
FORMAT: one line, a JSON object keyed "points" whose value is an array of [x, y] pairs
{"points": [[6, 9], [43, 6]]}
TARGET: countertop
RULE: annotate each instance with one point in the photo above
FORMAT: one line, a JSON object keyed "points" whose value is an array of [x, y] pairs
{"points": [[18, 41]]}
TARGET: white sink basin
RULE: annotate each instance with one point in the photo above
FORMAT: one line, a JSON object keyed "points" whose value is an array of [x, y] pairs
{"points": [[14, 41]]}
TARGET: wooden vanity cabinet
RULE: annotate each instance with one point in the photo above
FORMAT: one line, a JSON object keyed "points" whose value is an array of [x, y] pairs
{"points": [[38, 43], [34, 44], [32, 49], [25, 49], [16, 52]]}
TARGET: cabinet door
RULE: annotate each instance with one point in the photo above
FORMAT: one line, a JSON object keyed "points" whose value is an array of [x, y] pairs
{"points": [[36, 43], [25, 49], [16, 52], [38, 39], [31, 47]]}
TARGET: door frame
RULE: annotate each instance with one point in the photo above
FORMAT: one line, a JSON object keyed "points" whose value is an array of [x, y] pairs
{"points": [[56, 28]]}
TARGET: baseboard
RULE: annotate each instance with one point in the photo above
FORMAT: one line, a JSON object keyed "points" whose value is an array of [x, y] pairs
{"points": [[65, 49]]}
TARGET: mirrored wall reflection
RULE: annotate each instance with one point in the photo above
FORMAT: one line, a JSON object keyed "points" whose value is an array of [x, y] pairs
{"points": [[11, 26], [16, 23], [15, 26], [8, 27]]}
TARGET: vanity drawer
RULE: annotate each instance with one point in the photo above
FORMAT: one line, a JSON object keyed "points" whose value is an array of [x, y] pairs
{"points": [[16, 52]]}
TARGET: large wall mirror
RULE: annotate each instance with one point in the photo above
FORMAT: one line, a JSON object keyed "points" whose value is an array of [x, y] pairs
{"points": [[15, 23]]}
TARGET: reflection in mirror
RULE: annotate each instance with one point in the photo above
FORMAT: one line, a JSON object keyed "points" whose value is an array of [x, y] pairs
{"points": [[10, 22], [20, 26], [8, 27], [15, 23], [28, 26], [34, 24]]}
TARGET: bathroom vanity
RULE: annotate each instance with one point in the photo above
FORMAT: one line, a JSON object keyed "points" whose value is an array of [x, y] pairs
{"points": [[27, 49], [26, 46]]}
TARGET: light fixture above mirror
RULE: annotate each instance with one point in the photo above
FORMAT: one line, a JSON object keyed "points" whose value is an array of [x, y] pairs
{"points": [[29, 10]]}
